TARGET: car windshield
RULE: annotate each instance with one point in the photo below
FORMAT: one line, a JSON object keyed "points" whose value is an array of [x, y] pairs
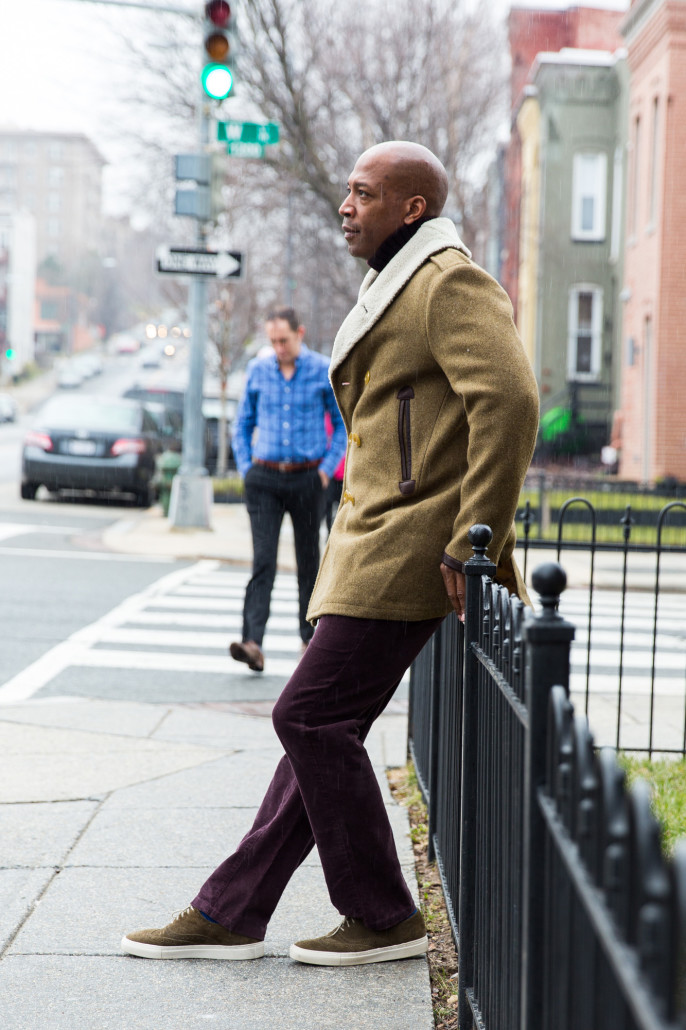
{"points": [[98, 413]]}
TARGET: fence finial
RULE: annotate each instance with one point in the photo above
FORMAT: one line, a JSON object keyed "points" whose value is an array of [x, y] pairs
{"points": [[480, 537], [549, 580]]}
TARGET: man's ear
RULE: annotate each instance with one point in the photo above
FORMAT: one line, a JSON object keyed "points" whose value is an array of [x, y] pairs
{"points": [[415, 208], [301, 332]]}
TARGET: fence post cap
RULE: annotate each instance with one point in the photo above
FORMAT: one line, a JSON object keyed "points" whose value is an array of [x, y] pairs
{"points": [[549, 580], [480, 537]]}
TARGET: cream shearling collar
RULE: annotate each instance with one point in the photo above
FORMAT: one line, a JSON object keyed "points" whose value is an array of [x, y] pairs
{"points": [[379, 289]]}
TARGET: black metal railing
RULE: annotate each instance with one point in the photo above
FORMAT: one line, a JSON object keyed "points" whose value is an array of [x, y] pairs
{"points": [[565, 913], [637, 571]]}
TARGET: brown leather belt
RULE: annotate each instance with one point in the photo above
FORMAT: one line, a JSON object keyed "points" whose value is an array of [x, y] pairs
{"points": [[288, 466]]}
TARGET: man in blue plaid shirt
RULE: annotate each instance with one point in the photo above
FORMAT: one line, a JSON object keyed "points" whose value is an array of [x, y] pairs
{"points": [[283, 453]]}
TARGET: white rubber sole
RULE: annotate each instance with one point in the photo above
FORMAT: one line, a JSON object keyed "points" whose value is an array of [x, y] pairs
{"points": [[235, 952], [360, 958]]}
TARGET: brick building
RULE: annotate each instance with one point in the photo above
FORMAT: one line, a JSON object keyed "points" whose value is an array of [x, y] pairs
{"points": [[532, 31], [652, 421]]}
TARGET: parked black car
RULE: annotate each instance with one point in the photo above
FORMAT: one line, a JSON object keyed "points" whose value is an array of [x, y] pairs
{"points": [[170, 400], [87, 442]]}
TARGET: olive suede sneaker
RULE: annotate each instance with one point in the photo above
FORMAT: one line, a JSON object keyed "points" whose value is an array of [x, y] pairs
{"points": [[190, 935], [353, 944]]}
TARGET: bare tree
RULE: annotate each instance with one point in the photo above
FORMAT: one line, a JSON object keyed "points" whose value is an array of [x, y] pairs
{"points": [[336, 78]]}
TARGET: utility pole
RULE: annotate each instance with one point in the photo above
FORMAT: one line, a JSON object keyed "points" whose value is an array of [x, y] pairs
{"points": [[191, 495]]}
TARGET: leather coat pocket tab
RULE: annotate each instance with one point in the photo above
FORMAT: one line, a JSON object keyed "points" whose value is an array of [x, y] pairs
{"points": [[407, 483]]}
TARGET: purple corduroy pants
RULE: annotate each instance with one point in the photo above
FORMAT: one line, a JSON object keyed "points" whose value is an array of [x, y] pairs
{"points": [[324, 790]]}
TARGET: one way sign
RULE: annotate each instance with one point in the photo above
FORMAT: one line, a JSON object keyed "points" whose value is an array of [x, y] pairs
{"points": [[219, 264]]}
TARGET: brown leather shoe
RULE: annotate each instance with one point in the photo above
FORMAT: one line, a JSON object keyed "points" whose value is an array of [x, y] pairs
{"points": [[248, 651]]}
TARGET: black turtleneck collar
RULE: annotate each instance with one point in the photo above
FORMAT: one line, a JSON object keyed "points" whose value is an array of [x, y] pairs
{"points": [[393, 243]]}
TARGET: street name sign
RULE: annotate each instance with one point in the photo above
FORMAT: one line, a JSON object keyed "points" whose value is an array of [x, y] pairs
{"points": [[266, 133], [239, 149], [216, 264]]}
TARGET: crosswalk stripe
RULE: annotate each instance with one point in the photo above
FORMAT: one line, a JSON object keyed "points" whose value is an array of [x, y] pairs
{"points": [[161, 661]]}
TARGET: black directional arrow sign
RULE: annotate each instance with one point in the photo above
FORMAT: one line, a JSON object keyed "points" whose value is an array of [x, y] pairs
{"points": [[217, 264]]}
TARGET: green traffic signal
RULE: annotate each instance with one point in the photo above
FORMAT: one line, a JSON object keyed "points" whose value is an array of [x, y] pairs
{"points": [[10, 353], [219, 44], [217, 81]]}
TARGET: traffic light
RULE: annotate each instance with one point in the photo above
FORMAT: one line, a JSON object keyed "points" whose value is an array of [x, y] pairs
{"points": [[10, 353], [220, 48]]}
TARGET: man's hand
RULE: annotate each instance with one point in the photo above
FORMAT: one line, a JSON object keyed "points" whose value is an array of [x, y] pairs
{"points": [[455, 589], [324, 478]]}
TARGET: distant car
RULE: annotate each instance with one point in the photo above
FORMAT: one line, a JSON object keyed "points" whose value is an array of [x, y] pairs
{"points": [[91, 443], [8, 408], [70, 378], [88, 364], [150, 358], [124, 343]]}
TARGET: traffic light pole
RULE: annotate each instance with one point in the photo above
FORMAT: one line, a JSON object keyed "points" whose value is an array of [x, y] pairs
{"points": [[191, 495]]}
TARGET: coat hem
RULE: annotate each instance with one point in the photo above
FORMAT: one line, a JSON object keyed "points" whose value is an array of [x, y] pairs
{"points": [[366, 611]]}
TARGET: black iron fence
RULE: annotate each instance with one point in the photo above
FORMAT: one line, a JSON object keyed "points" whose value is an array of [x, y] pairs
{"points": [[565, 913], [633, 643]]}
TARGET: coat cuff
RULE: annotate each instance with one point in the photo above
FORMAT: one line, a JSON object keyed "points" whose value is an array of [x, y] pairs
{"points": [[452, 563]]}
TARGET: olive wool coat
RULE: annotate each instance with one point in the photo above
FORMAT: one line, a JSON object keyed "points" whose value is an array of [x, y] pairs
{"points": [[441, 408]]}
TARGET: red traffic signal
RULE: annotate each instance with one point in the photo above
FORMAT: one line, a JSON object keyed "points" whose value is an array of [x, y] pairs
{"points": [[218, 12]]}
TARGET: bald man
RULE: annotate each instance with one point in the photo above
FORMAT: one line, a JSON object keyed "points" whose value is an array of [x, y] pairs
{"points": [[440, 406]]}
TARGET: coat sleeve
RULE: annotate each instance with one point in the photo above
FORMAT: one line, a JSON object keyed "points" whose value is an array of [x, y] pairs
{"points": [[473, 338]]}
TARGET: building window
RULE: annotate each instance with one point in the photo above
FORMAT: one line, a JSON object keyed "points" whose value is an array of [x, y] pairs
{"points": [[49, 310], [54, 202], [53, 227], [654, 160], [585, 322], [55, 175], [589, 192], [55, 151]]}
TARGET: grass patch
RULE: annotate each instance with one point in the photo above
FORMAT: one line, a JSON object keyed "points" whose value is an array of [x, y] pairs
{"points": [[610, 508], [442, 955], [667, 779], [228, 486]]}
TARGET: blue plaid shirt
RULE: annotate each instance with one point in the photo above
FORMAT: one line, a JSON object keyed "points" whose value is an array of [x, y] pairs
{"points": [[288, 415]]}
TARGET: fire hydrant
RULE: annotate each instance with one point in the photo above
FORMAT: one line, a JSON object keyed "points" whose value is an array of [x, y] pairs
{"points": [[166, 466]]}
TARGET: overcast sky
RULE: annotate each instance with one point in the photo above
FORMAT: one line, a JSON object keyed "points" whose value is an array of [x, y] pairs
{"points": [[61, 63]]}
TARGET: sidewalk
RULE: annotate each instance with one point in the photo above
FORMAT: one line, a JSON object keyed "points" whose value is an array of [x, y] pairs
{"points": [[229, 540], [111, 816]]}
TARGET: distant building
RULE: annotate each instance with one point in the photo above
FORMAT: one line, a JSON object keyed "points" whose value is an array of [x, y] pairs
{"points": [[17, 289], [532, 31], [570, 124], [58, 178], [653, 424]]}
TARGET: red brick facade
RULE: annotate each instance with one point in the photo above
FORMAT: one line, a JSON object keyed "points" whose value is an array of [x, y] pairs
{"points": [[653, 414]]}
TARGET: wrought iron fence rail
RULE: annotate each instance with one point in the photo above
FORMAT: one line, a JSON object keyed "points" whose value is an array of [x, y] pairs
{"points": [[623, 961], [506, 690], [551, 544], [565, 913]]}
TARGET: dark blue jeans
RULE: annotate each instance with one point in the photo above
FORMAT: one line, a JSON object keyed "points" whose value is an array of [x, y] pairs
{"points": [[325, 790], [268, 496]]}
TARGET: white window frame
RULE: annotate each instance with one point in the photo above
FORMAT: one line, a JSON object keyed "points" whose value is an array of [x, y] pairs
{"points": [[598, 193], [573, 375]]}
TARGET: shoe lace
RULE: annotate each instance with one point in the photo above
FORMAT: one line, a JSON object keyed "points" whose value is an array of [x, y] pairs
{"points": [[179, 915], [343, 926]]}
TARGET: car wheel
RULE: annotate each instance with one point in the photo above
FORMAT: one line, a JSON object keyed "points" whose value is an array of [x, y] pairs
{"points": [[29, 491]]}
